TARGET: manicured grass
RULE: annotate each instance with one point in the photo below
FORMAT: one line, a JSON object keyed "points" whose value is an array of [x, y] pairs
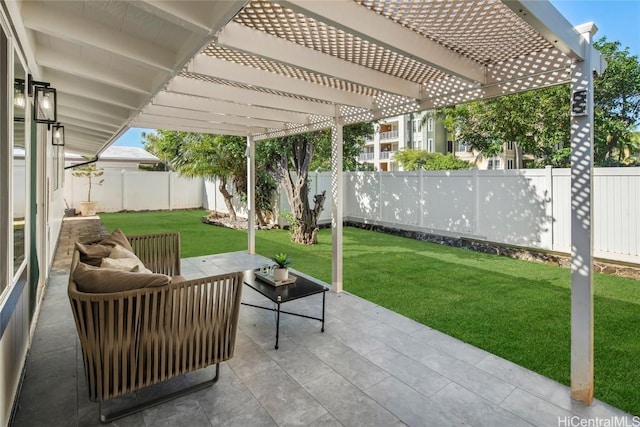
{"points": [[515, 309]]}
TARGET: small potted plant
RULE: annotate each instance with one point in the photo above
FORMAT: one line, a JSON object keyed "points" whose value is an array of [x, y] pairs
{"points": [[281, 272]]}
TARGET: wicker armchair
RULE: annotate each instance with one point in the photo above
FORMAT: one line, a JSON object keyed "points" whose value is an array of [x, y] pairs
{"points": [[134, 339]]}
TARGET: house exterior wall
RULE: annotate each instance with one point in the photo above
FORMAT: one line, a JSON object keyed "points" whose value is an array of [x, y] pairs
{"points": [[29, 218]]}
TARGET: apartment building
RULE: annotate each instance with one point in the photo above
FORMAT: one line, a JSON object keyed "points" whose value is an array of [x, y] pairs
{"points": [[423, 131], [507, 159], [400, 132]]}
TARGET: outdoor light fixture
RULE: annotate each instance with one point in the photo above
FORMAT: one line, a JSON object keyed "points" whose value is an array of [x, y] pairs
{"points": [[19, 100], [45, 101], [57, 135]]}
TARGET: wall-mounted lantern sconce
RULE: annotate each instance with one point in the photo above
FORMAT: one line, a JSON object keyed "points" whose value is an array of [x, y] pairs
{"points": [[19, 100], [57, 135], [45, 101]]}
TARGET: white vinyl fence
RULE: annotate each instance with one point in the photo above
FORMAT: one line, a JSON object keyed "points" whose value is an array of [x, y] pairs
{"points": [[518, 207], [133, 190]]}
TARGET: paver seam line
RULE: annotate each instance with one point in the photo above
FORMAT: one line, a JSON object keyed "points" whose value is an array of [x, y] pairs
{"points": [[285, 371]]}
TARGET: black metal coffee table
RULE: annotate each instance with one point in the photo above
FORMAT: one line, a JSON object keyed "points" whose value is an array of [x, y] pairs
{"points": [[285, 293]]}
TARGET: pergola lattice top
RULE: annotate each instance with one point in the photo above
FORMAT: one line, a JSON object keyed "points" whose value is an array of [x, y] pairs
{"points": [[271, 69]]}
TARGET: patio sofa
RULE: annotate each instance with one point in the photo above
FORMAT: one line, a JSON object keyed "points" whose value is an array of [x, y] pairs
{"points": [[138, 329]]}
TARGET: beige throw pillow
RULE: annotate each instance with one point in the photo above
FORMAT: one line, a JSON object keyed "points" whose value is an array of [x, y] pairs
{"points": [[91, 279], [116, 238], [92, 253], [120, 253], [122, 264]]}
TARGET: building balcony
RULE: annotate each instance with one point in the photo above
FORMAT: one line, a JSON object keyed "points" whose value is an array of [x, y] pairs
{"points": [[387, 155], [385, 136], [363, 157]]}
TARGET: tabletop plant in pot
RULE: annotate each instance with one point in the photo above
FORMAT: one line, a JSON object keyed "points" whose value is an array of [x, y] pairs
{"points": [[281, 272], [92, 174]]}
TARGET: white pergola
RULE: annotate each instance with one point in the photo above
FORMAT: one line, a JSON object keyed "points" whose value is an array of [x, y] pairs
{"points": [[262, 69]]}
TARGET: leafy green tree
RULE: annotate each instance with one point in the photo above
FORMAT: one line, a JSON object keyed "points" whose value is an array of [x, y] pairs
{"points": [[164, 144], [91, 173], [617, 103], [205, 155], [353, 141], [538, 122], [412, 160], [290, 159]]}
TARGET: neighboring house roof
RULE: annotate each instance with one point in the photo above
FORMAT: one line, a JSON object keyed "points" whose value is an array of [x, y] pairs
{"points": [[121, 154]]}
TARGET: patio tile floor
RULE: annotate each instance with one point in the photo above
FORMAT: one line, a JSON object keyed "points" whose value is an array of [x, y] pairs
{"points": [[371, 367]]}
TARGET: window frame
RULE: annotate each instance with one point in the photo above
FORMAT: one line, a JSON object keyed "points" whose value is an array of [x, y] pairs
{"points": [[6, 130]]}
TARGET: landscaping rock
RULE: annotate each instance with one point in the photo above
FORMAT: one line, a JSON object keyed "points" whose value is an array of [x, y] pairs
{"points": [[527, 254]]}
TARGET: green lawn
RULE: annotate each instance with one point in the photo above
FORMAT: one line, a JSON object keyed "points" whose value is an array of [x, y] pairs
{"points": [[515, 309]]}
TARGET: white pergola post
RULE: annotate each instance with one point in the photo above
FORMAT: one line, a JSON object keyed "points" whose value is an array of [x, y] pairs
{"points": [[581, 222], [251, 195], [336, 205]]}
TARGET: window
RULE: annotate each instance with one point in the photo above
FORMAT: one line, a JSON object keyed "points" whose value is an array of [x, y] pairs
{"points": [[463, 147], [20, 167], [430, 124], [58, 167], [493, 164], [5, 139], [510, 164], [430, 145], [510, 145]]}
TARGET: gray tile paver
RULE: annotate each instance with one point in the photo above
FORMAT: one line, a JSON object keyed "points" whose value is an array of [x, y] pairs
{"points": [[474, 409], [527, 380], [229, 402], [352, 336], [411, 407], [182, 412], [349, 364], [284, 399], [533, 409], [407, 370], [351, 406], [460, 350], [301, 364]]}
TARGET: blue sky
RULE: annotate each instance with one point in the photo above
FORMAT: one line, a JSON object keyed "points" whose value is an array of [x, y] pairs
{"points": [[615, 19]]}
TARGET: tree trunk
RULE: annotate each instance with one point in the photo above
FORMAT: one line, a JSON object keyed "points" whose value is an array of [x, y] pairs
{"points": [[261, 221], [305, 230], [227, 199]]}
